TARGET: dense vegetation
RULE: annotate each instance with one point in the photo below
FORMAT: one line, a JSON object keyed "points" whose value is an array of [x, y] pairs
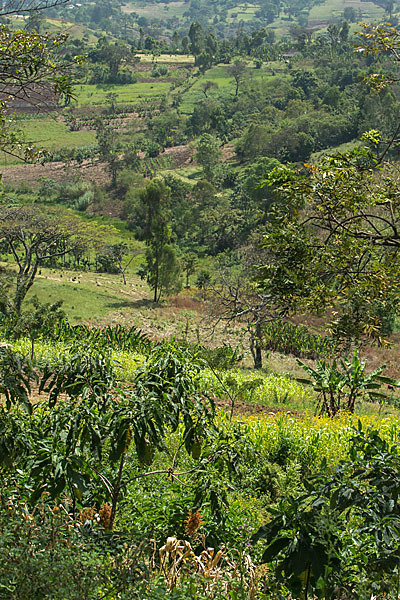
{"points": [[199, 301]]}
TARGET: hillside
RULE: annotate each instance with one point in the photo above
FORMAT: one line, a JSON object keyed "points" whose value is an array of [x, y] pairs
{"points": [[199, 300]]}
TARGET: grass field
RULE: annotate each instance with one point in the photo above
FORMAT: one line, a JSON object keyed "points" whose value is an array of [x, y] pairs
{"points": [[48, 134], [74, 30], [52, 134], [242, 12]]}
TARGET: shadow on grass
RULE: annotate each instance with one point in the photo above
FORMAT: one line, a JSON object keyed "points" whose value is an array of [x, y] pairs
{"points": [[143, 303]]}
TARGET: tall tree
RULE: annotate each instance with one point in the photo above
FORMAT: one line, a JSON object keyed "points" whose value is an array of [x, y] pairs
{"points": [[151, 216], [238, 71], [208, 154], [196, 37]]}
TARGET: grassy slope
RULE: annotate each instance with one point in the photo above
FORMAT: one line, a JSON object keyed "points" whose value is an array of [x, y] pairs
{"points": [[74, 30], [52, 134], [127, 94]]}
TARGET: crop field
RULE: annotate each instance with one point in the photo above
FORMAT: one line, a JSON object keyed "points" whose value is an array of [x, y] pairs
{"points": [[159, 10], [132, 93], [242, 12], [331, 9], [173, 59], [259, 392]]}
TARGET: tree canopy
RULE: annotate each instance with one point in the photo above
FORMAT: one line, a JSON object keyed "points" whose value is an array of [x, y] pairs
{"points": [[334, 241]]}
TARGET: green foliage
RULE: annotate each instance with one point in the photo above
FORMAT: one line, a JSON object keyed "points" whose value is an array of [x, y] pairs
{"points": [[151, 215], [221, 358], [162, 269], [30, 61], [64, 440], [117, 336], [342, 534], [16, 374], [208, 154], [333, 242], [47, 555], [33, 322]]}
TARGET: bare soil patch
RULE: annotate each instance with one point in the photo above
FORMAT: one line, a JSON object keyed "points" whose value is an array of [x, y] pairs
{"points": [[244, 408], [58, 171], [182, 155]]}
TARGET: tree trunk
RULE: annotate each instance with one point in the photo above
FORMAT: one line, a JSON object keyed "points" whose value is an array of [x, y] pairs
{"points": [[116, 492], [258, 361], [23, 286], [256, 346]]}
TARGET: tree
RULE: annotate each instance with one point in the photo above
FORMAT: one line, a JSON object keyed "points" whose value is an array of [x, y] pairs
{"points": [[33, 236], [108, 149], [111, 259], [239, 300], [207, 86], [151, 216], [34, 321], [111, 99], [208, 154], [189, 261], [349, 14], [238, 71], [34, 22], [334, 241], [66, 439], [162, 268], [114, 56], [305, 80], [196, 37]]}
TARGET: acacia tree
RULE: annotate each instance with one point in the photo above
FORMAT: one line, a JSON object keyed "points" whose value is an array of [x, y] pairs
{"points": [[33, 237]]}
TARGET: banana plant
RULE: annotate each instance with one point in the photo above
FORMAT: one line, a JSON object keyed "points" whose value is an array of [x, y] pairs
{"points": [[340, 384]]}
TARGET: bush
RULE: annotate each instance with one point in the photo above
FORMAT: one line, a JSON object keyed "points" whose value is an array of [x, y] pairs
{"points": [[46, 556], [341, 537]]}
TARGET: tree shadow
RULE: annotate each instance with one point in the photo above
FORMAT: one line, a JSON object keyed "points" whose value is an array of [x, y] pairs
{"points": [[142, 303]]}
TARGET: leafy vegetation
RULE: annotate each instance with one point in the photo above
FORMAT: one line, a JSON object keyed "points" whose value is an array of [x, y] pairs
{"points": [[218, 173]]}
